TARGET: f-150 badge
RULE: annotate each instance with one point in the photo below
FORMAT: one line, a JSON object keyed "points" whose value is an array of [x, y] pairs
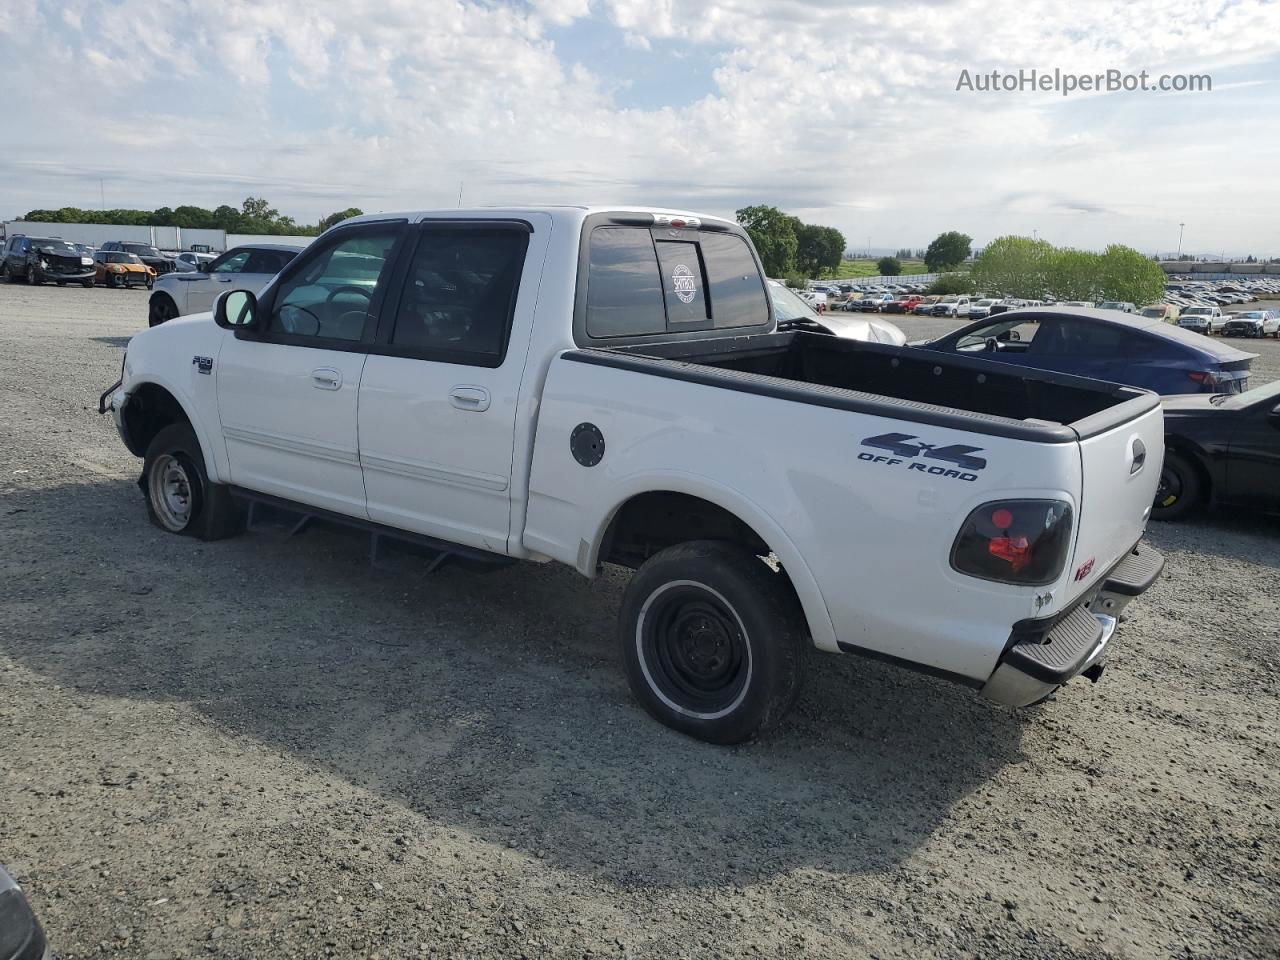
{"points": [[905, 446], [203, 364]]}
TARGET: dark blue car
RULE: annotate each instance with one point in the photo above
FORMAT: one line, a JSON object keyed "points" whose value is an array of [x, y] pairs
{"points": [[1105, 345]]}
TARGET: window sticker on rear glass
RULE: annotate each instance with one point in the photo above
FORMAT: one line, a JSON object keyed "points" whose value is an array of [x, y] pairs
{"points": [[683, 284]]}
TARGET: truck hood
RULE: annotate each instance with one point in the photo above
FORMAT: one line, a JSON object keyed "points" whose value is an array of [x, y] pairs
{"points": [[873, 331]]}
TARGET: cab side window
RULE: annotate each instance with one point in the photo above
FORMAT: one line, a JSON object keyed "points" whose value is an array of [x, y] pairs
{"points": [[330, 295], [267, 261], [459, 294]]}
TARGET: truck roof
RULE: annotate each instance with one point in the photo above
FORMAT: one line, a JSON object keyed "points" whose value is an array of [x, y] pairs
{"points": [[568, 214]]}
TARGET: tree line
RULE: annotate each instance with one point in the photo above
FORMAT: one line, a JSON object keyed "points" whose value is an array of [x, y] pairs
{"points": [[255, 215], [1021, 267]]}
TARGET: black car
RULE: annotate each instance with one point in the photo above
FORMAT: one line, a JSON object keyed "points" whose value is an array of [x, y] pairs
{"points": [[20, 935], [1220, 448], [41, 259], [145, 252]]}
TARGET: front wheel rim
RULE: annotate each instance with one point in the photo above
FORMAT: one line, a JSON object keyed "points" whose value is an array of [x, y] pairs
{"points": [[693, 650], [171, 492]]}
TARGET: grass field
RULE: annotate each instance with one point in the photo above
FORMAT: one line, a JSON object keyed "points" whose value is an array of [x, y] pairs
{"points": [[852, 269]]}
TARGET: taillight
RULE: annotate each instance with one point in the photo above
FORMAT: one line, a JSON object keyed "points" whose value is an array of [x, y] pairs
{"points": [[1205, 376], [1015, 541]]}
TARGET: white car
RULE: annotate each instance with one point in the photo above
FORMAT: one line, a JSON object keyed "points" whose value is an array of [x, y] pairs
{"points": [[952, 307], [981, 309], [240, 268], [794, 313], [1202, 319], [1253, 323], [602, 385]]}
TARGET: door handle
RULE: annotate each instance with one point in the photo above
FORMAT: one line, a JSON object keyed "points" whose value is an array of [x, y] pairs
{"points": [[1138, 453], [326, 378], [223, 279], [474, 399]]}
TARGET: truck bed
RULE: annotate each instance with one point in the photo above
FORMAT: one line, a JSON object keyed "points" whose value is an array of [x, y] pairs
{"points": [[970, 393]]}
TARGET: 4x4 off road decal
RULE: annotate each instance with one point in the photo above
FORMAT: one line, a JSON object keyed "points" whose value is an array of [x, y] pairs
{"points": [[905, 446]]}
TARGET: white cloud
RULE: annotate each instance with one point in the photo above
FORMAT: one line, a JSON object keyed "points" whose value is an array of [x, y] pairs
{"points": [[845, 113]]}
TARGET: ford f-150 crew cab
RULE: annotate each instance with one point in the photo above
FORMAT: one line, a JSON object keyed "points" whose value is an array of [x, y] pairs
{"points": [[608, 385]]}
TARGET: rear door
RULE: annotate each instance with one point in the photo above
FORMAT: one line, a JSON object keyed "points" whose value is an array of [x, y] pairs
{"points": [[437, 406], [1120, 469]]}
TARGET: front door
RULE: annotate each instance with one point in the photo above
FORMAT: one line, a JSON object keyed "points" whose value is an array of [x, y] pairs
{"points": [[287, 393], [439, 392]]}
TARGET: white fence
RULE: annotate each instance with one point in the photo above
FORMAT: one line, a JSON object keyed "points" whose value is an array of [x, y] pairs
{"points": [[910, 280]]}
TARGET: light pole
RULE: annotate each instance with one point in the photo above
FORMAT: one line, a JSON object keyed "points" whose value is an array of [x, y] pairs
{"points": [[1181, 227]]}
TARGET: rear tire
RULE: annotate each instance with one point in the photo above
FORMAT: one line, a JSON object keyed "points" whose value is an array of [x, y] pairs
{"points": [[713, 641], [180, 497], [32, 279], [1181, 490]]}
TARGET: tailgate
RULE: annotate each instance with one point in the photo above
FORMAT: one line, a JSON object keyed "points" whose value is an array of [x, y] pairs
{"points": [[1120, 469]]}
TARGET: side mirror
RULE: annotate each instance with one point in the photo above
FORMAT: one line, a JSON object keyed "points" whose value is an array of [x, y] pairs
{"points": [[236, 310]]}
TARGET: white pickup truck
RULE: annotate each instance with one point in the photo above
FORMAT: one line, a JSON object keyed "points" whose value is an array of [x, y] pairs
{"points": [[607, 385]]}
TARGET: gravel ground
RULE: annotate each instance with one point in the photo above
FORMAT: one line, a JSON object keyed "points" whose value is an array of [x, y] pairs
{"points": [[265, 748]]}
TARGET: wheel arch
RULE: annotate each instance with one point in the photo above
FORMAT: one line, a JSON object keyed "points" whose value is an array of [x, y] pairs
{"points": [[702, 510], [150, 407]]}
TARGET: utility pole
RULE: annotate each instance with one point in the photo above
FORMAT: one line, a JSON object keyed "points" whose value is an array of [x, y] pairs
{"points": [[102, 194], [1181, 227], [459, 194]]}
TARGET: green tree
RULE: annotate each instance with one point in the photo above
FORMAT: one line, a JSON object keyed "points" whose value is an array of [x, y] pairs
{"points": [[818, 248], [1014, 267], [774, 235], [1074, 275], [951, 283], [889, 266], [335, 218], [1125, 274], [948, 251]]}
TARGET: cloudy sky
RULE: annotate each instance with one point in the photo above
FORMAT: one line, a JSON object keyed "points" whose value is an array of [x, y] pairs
{"points": [[844, 113]]}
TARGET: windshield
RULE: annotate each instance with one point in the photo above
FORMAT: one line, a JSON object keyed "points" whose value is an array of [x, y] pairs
{"points": [[141, 249], [788, 306], [55, 246], [1154, 311], [1249, 315], [1196, 311]]}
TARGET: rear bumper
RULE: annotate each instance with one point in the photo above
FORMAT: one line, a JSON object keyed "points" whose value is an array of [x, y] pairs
{"points": [[1042, 655]]}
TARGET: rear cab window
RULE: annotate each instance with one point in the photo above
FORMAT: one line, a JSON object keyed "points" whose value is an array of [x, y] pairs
{"points": [[655, 282]]}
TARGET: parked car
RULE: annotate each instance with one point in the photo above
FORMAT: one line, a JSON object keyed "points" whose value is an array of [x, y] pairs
{"points": [[116, 269], [1122, 305], [21, 937], [1106, 345], [951, 307], [903, 304], [190, 261], [145, 252], [1253, 323], [793, 312], [925, 307], [1164, 312], [1221, 450], [982, 308], [240, 268], [43, 259], [1206, 320], [466, 399]]}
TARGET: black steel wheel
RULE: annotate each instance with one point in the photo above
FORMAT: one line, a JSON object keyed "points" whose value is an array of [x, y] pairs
{"points": [[713, 641], [1180, 490]]}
